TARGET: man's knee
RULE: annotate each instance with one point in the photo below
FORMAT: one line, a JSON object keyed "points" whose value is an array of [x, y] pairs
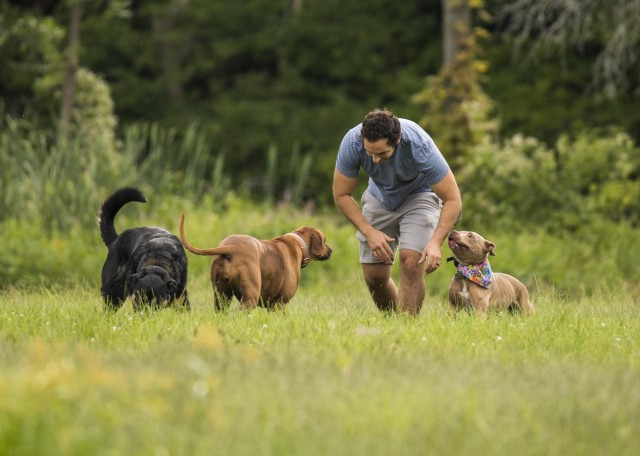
{"points": [[376, 276], [409, 263]]}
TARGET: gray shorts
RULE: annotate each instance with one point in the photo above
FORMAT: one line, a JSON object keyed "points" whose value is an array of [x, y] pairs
{"points": [[411, 225]]}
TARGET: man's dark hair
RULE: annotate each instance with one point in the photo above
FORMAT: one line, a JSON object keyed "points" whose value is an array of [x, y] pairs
{"points": [[379, 124]]}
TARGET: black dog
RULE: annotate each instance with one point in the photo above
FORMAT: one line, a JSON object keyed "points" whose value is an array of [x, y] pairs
{"points": [[147, 263]]}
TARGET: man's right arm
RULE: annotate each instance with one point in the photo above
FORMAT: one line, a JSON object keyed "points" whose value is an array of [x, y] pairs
{"points": [[343, 188]]}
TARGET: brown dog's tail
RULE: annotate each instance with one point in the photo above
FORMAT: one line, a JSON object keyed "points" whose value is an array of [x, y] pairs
{"points": [[196, 250]]}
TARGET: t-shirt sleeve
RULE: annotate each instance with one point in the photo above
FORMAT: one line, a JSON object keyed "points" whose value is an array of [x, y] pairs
{"points": [[432, 163], [348, 161]]}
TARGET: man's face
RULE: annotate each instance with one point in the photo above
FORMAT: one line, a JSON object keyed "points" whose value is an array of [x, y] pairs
{"points": [[380, 151]]}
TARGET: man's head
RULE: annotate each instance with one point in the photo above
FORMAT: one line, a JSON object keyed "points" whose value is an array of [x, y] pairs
{"points": [[380, 134]]}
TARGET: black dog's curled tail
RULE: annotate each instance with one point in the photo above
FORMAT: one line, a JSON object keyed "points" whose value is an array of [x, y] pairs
{"points": [[110, 208]]}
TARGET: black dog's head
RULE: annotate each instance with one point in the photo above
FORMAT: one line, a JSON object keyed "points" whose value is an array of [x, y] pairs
{"points": [[151, 285]]}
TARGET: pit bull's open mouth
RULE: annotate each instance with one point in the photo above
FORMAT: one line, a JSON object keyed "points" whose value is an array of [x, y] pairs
{"points": [[456, 245]]}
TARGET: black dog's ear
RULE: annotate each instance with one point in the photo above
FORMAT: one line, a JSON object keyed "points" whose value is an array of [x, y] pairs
{"points": [[132, 280], [172, 286]]}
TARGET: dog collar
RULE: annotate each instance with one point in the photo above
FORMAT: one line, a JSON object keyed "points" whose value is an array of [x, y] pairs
{"points": [[306, 257], [477, 273]]}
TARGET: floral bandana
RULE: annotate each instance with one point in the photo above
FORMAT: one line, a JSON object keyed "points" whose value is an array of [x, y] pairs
{"points": [[477, 273]]}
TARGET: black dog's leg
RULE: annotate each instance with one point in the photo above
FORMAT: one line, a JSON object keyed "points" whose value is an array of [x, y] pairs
{"points": [[113, 302], [185, 300]]}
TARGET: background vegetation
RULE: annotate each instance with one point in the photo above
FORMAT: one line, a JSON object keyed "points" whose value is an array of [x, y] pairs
{"points": [[216, 105], [232, 112]]}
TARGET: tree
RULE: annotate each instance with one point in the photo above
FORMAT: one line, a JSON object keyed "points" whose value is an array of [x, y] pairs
{"points": [[70, 69], [456, 19], [613, 25], [457, 111]]}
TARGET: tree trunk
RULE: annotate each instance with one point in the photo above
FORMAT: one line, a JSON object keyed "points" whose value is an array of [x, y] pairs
{"points": [[456, 19], [71, 66], [296, 6], [169, 51]]}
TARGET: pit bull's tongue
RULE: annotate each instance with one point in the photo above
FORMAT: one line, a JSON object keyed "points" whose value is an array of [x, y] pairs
{"points": [[453, 244]]}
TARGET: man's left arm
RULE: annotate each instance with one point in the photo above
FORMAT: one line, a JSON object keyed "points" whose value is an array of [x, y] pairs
{"points": [[447, 190]]}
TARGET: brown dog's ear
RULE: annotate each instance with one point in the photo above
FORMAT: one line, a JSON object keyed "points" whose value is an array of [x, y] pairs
{"points": [[315, 245], [490, 248]]}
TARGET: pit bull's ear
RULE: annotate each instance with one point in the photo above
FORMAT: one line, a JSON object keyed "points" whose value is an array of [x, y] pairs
{"points": [[490, 248]]}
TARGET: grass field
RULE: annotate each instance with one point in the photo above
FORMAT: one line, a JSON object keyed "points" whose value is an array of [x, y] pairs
{"points": [[330, 375]]}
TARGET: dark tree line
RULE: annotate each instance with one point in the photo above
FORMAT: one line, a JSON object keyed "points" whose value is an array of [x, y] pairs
{"points": [[293, 75]]}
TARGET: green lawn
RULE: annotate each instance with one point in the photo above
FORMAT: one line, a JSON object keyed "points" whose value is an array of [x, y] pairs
{"points": [[329, 376]]}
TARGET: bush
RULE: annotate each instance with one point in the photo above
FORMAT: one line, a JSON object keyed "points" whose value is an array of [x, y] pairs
{"points": [[525, 184]]}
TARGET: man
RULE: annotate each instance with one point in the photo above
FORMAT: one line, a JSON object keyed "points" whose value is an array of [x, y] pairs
{"points": [[412, 199]]}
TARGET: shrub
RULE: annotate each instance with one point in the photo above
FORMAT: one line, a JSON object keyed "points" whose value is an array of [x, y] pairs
{"points": [[525, 184]]}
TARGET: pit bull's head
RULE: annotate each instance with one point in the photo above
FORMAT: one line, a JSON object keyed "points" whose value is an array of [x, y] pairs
{"points": [[469, 247]]}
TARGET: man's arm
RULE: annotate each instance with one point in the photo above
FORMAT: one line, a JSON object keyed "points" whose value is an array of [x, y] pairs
{"points": [[343, 188], [447, 190]]}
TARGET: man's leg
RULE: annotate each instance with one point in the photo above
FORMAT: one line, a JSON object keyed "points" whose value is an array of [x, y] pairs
{"points": [[382, 288], [412, 288]]}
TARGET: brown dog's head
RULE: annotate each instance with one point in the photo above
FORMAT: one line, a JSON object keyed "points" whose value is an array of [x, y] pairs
{"points": [[316, 243], [469, 247]]}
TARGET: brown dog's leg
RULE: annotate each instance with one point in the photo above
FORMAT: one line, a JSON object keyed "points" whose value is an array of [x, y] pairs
{"points": [[221, 297], [249, 302]]}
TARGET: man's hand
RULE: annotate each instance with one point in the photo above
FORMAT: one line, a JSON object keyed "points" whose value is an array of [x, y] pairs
{"points": [[432, 253], [379, 245]]}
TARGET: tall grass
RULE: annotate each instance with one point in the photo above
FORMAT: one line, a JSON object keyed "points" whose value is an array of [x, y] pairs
{"points": [[60, 186], [43, 181]]}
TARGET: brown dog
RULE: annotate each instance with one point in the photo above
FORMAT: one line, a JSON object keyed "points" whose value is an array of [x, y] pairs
{"points": [[475, 286], [261, 272]]}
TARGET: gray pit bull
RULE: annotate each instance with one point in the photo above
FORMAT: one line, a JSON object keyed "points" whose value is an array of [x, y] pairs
{"points": [[475, 286]]}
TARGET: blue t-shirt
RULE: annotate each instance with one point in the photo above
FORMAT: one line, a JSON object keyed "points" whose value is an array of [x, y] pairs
{"points": [[414, 167]]}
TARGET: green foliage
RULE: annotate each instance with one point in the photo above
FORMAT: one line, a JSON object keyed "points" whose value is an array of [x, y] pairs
{"points": [[93, 119], [261, 75], [570, 188], [582, 193], [59, 186], [44, 182], [29, 51], [29, 257], [549, 96], [582, 263], [458, 114]]}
